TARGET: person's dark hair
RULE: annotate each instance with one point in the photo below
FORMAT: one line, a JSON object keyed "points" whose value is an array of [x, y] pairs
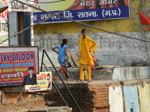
{"points": [[48, 74], [31, 68], [64, 41], [83, 30]]}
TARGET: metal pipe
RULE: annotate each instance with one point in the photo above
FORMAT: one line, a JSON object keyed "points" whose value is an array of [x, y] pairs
{"points": [[63, 81], [45, 66], [42, 61], [53, 82]]}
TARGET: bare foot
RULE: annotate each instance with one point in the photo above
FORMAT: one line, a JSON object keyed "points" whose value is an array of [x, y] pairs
{"points": [[79, 80], [68, 79]]}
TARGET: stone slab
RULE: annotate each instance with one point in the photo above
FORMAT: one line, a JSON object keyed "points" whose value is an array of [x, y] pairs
{"points": [[130, 73]]}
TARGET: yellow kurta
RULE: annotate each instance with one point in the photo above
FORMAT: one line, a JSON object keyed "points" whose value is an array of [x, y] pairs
{"points": [[85, 46]]}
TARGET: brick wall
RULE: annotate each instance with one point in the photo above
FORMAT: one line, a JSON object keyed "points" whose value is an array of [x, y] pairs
{"points": [[91, 97]]}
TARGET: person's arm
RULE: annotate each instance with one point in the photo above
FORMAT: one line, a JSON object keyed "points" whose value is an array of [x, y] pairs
{"points": [[24, 81], [94, 44], [54, 49]]}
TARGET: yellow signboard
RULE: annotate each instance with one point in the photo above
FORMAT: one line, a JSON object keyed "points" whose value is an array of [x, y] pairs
{"points": [[44, 82]]}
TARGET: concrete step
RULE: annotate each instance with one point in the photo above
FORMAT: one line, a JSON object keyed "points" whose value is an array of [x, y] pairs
{"points": [[52, 109], [120, 73], [103, 74]]}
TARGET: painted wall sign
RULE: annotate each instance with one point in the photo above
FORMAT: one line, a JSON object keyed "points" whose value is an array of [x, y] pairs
{"points": [[15, 62], [19, 7], [83, 10]]}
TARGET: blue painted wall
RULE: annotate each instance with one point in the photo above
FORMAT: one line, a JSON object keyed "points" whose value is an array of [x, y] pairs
{"points": [[131, 99]]}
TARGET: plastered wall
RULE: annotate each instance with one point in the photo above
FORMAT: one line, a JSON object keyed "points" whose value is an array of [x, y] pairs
{"points": [[113, 49]]}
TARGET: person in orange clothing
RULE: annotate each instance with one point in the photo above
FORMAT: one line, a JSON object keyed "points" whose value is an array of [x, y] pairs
{"points": [[86, 45], [94, 60]]}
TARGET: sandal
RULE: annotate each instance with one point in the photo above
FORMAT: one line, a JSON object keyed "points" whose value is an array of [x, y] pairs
{"points": [[89, 80]]}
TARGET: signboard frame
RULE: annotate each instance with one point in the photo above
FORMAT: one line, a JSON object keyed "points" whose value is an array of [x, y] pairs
{"points": [[42, 83], [12, 75], [84, 13]]}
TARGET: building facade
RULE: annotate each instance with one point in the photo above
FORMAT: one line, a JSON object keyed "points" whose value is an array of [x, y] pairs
{"points": [[112, 49]]}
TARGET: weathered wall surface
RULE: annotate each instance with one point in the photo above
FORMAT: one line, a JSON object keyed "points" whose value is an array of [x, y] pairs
{"points": [[130, 73], [102, 96], [144, 95], [113, 49], [116, 105], [131, 98], [91, 97]]}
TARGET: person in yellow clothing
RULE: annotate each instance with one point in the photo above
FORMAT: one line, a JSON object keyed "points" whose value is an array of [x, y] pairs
{"points": [[86, 45]]}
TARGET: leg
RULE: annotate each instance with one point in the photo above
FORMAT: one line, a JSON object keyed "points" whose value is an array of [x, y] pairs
{"points": [[89, 72], [85, 74], [66, 73], [81, 72], [60, 72]]}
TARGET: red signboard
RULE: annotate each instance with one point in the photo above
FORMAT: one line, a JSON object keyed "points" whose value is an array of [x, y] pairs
{"points": [[14, 66]]}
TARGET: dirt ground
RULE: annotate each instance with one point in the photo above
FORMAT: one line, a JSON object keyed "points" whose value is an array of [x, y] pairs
{"points": [[23, 106]]}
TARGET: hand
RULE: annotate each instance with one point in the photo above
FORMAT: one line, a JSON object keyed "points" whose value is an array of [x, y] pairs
{"points": [[66, 60]]}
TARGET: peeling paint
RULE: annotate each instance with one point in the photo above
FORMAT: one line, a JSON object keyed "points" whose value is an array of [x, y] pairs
{"points": [[144, 96], [131, 99], [115, 99]]}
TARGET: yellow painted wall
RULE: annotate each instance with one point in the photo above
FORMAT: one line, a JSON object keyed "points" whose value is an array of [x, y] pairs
{"points": [[144, 97], [131, 24]]}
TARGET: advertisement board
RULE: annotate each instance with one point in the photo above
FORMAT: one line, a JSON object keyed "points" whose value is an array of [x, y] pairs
{"points": [[82, 10], [44, 82], [16, 63]]}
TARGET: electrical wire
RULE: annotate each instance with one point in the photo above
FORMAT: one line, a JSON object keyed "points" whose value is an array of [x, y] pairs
{"points": [[45, 2], [35, 24], [117, 79], [88, 25], [72, 21]]}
